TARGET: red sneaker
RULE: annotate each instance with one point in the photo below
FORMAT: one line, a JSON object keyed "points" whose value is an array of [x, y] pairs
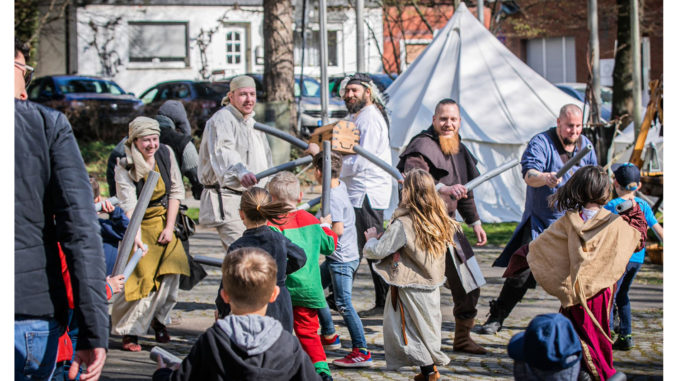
{"points": [[356, 359]]}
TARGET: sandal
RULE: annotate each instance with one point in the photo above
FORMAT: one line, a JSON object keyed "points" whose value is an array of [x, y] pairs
{"points": [[161, 335], [129, 343]]}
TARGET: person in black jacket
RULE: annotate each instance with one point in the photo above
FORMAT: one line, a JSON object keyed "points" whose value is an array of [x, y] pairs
{"points": [[256, 208], [245, 345], [53, 204]]}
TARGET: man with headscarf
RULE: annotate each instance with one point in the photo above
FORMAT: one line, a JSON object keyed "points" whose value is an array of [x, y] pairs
{"points": [[369, 187], [231, 152], [439, 151]]}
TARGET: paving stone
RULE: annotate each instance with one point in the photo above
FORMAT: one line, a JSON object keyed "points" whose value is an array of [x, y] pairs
{"points": [[194, 313]]}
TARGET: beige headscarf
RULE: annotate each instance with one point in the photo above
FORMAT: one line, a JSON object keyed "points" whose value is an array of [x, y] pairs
{"points": [[238, 83], [141, 126]]}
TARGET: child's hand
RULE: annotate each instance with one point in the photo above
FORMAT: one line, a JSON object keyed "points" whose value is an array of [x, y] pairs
{"points": [[312, 149], [107, 207], [371, 233], [326, 220], [116, 282]]}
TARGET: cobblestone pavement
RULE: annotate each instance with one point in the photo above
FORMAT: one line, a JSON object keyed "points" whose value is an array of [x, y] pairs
{"points": [[194, 313]]}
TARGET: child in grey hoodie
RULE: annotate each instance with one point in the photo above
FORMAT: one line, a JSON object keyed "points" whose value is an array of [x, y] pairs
{"points": [[245, 345]]}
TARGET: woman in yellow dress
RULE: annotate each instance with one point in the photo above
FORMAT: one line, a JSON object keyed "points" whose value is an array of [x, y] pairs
{"points": [[151, 291]]}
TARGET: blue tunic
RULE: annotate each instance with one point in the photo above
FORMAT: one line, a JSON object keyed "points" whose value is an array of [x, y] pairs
{"points": [[543, 153]]}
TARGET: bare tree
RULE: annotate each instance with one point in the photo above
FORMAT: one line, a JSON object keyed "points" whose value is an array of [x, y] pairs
{"points": [[102, 40]]}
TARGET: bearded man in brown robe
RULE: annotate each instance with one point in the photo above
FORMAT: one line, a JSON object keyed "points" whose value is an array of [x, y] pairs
{"points": [[439, 151]]}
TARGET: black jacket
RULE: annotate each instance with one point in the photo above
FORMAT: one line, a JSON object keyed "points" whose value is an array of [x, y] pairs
{"points": [[217, 357], [289, 258], [53, 203]]}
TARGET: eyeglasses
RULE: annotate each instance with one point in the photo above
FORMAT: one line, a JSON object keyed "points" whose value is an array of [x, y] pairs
{"points": [[28, 72]]}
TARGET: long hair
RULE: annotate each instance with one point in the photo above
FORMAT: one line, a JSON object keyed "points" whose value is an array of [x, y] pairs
{"points": [[258, 206], [433, 228], [589, 184]]}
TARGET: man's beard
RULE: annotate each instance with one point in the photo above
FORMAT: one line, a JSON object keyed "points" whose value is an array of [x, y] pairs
{"points": [[449, 144], [569, 142], [355, 106]]}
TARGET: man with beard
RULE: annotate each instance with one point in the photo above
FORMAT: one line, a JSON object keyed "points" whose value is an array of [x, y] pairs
{"points": [[231, 152], [439, 151], [369, 187], [545, 154]]}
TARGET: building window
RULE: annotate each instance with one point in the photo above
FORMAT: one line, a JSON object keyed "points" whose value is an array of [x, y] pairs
{"points": [[234, 44], [553, 58], [312, 55], [151, 41]]}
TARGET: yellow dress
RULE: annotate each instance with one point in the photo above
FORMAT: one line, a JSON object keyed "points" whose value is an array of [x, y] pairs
{"points": [[160, 259]]}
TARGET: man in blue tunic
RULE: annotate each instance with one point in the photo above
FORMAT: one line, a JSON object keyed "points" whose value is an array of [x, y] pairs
{"points": [[545, 154]]}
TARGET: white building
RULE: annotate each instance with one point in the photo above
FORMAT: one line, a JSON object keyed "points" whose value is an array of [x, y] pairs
{"points": [[140, 43]]}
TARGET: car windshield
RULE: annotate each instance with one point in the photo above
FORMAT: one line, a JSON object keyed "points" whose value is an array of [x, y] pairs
{"points": [[311, 88], [214, 91], [605, 94], [87, 85]]}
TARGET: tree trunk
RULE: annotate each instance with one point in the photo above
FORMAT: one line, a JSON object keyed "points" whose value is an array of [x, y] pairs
{"points": [[278, 51], [622, 86]]}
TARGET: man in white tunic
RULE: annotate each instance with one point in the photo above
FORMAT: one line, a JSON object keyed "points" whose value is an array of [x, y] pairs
{"points": [[231, 152], [369, 187]]}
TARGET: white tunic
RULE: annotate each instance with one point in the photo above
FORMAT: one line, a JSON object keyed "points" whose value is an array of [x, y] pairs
{"points": [[361, 176], [230, 148]]}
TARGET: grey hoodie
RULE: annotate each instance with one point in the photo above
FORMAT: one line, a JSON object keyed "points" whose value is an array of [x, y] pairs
{"points": [[246, 347]]}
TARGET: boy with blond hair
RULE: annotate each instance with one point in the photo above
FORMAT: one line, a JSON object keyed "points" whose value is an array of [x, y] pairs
{"points": [[304, 285], [245, 345]]}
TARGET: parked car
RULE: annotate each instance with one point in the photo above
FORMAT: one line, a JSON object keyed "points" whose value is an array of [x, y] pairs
{"points": [[578, 90], [383, 81], [97, 108], [310, 107], [200, 98]]}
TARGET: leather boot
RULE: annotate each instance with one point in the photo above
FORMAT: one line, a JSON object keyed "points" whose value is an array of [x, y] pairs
{"points": [[462, 338], [502, 307], [431, 376]]}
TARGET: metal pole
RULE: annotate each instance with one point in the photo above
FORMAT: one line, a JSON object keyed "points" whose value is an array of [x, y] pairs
{"points": [[127, 243], [360, 36], [595, 59], [327, 177], [635, 53], [481, 13], [324, 84], [301, 64]]}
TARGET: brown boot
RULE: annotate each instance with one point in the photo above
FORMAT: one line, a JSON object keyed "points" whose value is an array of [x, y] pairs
{"points": [[462, 338], [431, 376]]}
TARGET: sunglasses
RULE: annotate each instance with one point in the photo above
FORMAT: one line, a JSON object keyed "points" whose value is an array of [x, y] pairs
{"points": [[28, 72]]}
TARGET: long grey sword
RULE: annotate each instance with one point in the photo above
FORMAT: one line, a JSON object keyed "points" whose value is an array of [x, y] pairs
{"points": [[135, 222], [490, 174], [574, 161]]}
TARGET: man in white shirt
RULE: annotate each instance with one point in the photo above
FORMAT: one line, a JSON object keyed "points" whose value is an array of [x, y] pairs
{"points": [[369, 187], [231, 152]]}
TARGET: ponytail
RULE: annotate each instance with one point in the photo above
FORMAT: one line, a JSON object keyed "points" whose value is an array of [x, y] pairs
{"points": [[258, 206]]}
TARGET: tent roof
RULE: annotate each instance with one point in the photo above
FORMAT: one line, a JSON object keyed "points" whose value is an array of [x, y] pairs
{"points": [[502, 100]]}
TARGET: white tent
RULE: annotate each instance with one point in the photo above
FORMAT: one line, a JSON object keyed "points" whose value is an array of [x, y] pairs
{"points": [[625, 140], [503, 104]]}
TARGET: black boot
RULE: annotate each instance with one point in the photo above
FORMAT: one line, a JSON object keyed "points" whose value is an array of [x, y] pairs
{"points": [[502, 307]]}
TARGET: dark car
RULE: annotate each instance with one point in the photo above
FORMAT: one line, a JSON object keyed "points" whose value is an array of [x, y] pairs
{"points": [[200, 98], [97, 108], [383, 81], [310, 102]]}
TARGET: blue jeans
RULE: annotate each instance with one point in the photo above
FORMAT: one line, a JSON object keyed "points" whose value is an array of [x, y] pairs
{"points": [[35, 347], [340, 274], [622, 301]]}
